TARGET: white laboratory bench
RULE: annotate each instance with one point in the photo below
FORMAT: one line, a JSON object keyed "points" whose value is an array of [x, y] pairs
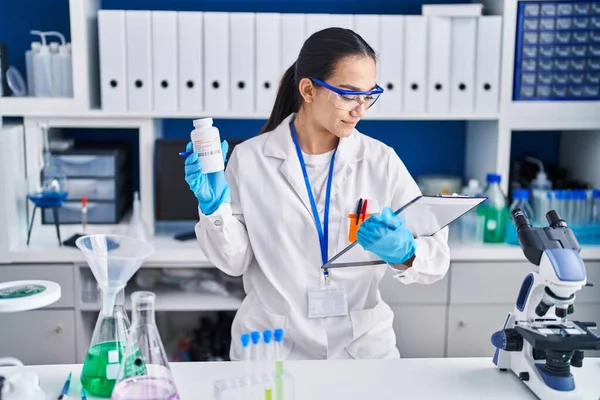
{"points": [[454, 317], [449, 378]]}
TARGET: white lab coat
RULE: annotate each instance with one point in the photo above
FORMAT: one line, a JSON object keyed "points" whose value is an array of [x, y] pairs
{"points": [[268, 234]]}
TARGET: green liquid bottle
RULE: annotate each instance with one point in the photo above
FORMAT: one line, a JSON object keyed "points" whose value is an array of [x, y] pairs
{"points": [[105, 356], [494, 210]]}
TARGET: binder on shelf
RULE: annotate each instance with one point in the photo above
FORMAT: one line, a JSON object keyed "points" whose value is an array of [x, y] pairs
{"points": [[316, 22], [190, 61], [113, 63], [462, 79], [438, 80], [415, 64], [423, 216], [138, 28], [293, 35], [487, 64], [164, 64], [345, 21], [391, 63], [242, 52], [268, 57], [367, 26], [216, 62]]}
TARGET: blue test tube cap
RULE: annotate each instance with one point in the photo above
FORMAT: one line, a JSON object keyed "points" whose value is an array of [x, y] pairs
{"points": [[596, 193], [245, 338], [278, 333], [267, 336], [255, 336]]}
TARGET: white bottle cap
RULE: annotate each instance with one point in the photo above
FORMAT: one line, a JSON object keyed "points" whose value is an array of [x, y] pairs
{"points": [[473, 183], [63, 50], [54, 47], [35, 45], [203, 122]]}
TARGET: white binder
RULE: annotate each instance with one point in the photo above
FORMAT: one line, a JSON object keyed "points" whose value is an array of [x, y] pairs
{"points": [[268, 69], [462, 92], [415, 63], [438, 80], [345, 21], [216, 62], [138, 28], [190, 61], [164, 55], [113, 65], [391, 62], [241, 83], [316, 22], [293, 28], [487, 70], [367, 26]]}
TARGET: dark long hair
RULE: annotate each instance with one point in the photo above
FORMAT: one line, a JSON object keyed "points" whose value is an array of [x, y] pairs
{"points": [[317, 59]]}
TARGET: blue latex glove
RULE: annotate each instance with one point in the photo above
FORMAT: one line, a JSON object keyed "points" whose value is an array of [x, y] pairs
{"points": [[211, 190], [386, 236]]}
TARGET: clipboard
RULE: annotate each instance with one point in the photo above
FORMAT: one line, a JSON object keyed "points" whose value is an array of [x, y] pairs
{"points": [[424, 216]]}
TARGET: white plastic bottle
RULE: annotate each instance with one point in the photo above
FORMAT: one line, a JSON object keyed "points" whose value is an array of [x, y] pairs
{"points": [[35, 48], [42, 69], [207, 143], [61, 66]]}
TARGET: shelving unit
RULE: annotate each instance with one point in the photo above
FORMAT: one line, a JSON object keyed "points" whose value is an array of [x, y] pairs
{"points": [[453, 322]]}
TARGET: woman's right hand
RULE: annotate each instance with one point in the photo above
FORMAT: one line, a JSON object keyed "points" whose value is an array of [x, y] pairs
{"points": [[211, 190]]}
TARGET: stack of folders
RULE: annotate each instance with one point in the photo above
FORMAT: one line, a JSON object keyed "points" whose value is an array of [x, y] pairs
{"points": [[169, 62]]}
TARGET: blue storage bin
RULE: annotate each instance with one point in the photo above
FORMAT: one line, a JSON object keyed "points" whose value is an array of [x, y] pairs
{"points": [[558, 43]]}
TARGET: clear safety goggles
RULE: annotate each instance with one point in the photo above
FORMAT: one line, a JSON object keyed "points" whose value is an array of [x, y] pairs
{"points": [[350, 100]]}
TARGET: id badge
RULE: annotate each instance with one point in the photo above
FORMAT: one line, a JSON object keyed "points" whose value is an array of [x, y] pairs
{"points": [[327, 300]]}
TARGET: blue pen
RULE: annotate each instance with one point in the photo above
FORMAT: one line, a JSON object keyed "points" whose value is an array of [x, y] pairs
{"points": [[185, 153], [65, 388], [83, 396]]}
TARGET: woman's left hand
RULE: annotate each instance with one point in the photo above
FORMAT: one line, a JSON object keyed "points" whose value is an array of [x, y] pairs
{"points": [[386, 236]]}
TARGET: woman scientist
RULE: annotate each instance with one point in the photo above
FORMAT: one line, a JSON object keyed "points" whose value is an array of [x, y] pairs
{"points": [[288, 201]]}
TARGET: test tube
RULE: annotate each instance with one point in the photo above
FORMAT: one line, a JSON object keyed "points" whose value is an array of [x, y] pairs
{"points": [[256, 357], [278, 335], [268, 357], [247, 382], [596, 206]]}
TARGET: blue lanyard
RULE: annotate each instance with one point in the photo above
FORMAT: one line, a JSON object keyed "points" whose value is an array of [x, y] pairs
{"points": [[323, 233]]}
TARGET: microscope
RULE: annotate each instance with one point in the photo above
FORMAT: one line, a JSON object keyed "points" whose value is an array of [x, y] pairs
{"points": [[537, 341]]}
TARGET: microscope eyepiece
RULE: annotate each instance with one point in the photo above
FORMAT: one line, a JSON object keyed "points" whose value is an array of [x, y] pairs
{"points": [[554, 220], [520, 219]]}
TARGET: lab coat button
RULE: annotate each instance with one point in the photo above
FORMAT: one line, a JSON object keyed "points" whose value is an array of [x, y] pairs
{"points": [[218, 222]]}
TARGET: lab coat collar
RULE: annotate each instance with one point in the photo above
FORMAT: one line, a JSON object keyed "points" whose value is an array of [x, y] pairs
{"points": [[280, 145]]}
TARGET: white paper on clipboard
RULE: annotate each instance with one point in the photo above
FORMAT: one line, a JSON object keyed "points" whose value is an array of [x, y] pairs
{"points": [[423, 216]]}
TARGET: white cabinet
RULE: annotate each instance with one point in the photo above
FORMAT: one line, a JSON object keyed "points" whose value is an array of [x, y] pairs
{"points": [[470, 329], [39, 337], [420, 330], [61, 274]]}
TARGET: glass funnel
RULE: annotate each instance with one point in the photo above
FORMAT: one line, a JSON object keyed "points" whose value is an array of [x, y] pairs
{"points": [[145, 372], [113, 259], [103, 360]]}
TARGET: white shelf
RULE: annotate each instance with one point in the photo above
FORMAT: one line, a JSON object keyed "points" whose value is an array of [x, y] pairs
{"points": [[68, 108], [172, 299]]}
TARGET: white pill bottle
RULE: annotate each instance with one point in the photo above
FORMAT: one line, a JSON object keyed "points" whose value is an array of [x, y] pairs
{"points": [[207, 143]]}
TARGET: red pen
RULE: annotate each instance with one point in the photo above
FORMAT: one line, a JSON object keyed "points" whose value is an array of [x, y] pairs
{"points": [[364, 210]]}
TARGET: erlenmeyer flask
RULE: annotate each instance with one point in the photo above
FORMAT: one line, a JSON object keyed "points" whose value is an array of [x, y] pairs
{"points": [[145, 372], [103, 360]]}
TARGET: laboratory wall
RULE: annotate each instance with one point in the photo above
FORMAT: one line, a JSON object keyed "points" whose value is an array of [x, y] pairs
{"points": [[426, 147]]}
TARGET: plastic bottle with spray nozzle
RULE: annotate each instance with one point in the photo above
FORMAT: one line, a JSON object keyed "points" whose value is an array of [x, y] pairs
{"points": [[42, 68], [62, 67], [35, 49], [540, 187]]}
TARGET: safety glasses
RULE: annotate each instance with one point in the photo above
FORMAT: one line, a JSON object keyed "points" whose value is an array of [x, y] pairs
{"points": [[350, 100]]}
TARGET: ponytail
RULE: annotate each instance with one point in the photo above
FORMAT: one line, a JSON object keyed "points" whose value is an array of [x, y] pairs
{"points": [[286, 102]]}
